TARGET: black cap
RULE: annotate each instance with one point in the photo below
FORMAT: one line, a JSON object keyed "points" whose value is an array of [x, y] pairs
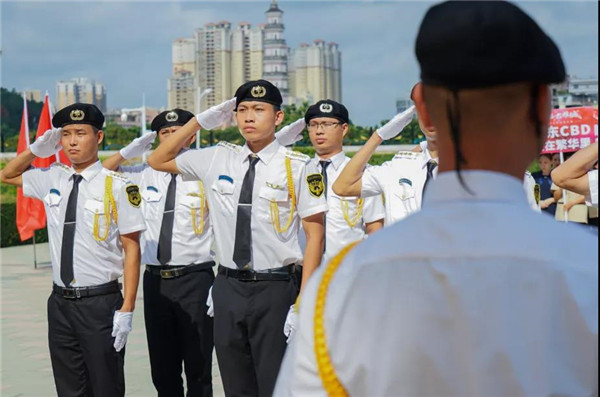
{"points": [[327, 108], [477, 44], [79, 113], [169, 118], [260, 91]]}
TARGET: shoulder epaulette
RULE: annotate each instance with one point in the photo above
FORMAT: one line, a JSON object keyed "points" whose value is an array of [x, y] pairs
{"points": [[527, 173], [408, 155], [61, 166], [117, 175], [297, 156], [230, 146]]}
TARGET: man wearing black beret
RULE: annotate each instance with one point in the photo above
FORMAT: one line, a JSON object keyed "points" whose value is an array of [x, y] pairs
{"points": [[465, 297], [93, 219], [176, 249], [259, 194]]}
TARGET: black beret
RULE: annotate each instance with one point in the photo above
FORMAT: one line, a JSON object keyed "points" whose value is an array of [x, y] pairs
{"points": [[260, 91], [476, 44], [79, 113], [327, 108], [169, 118]]}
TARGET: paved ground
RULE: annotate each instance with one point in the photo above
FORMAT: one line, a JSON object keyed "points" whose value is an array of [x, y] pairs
{"points": [[25, 368]]}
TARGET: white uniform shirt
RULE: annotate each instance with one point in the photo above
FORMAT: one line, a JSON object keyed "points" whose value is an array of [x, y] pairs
{"points": [[401, 182], [475, 301], [339, 233], [592, 198], [187, 247], [94, 262], [530, 186], [222, 168]]}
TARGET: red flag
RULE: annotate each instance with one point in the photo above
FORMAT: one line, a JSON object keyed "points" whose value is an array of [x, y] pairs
{"points": [[44, 125], [30, 212]]}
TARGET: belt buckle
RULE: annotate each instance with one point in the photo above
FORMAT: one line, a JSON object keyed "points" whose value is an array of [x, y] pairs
{"points": [[246, 275], [167, 274], [71, 293]]}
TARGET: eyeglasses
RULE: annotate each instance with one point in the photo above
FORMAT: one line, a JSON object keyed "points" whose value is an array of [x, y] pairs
{"points": [[326, 125]]}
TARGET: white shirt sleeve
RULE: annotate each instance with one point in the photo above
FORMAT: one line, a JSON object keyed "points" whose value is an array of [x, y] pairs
{"points": [[133, 172], [37, 182], [592, 199], [307, 203], [372, 180], [373, 209], [194, 164], [130, 217]]}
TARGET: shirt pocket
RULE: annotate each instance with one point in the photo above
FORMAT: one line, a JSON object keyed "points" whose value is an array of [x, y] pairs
{"points": [[404, 191], [97, 220], [224, 197], [274, 201], [152, 207], [349, 209], [192, 214]]}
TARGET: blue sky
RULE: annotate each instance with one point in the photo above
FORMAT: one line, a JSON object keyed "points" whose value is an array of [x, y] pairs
{"points": [[127, 45]]}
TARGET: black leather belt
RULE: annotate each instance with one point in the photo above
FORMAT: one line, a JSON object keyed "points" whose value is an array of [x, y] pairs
{"points": [[84, 292], [278, 273], [169, 272]]}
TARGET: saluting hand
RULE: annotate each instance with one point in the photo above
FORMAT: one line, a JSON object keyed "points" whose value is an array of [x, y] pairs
{"points": [[138, 146], [395, 126], [291, 133], [48, 144], [216, 115], [122, 323]]}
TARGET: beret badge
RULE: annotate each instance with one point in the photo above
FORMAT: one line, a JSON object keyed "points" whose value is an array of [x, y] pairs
{"points": [[326, 108], [258, 91], [171, 116], [77, 115]]}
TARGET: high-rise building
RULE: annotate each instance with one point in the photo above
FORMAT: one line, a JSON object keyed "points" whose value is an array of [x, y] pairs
{"points": [[315, 72], [222, 58], [82, 90], [33, 95], [275, 51]]}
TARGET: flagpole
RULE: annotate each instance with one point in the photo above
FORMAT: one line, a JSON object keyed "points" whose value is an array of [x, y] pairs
{"points": [[34, 252]]}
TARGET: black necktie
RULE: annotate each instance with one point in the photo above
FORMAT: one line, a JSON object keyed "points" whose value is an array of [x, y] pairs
{"points": [[431, 164], [66, 251], [324, 165], [242, 251], [166, 227]]}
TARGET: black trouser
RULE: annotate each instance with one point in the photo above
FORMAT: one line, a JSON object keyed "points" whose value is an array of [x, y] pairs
{"points": [[249, 339], [84, 360], [179, 330]]}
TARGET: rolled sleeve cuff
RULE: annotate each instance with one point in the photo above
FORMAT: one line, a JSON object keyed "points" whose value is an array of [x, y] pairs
{"points": [[132, 229], [313, 210]]}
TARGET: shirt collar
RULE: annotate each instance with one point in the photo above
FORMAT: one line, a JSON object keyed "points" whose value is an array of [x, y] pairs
{"points": [[427, 154], [485, 186], [265, 155], [90, 172], [336, 160]]}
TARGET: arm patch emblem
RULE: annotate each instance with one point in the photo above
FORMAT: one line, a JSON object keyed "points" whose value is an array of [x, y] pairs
{"points": [[537, 193], [315, 184], [133, 195]]}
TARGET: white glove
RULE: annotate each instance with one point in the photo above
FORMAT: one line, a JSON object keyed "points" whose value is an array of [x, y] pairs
{"points": [[291, 324], [216, 115], [291, 133], [48, 144], [211, 310], [138, 146], [396, 124], [122, 322]]}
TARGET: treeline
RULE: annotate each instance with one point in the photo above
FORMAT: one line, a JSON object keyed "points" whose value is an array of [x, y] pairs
{"points": [[116, 136]]}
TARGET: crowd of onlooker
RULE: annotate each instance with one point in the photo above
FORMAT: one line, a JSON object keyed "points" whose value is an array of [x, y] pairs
{"points": [[556, 201]]}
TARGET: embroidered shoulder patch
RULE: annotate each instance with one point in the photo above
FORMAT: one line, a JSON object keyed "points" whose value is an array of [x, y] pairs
{"points": [[133, 195], [315, 184], [297, 156], [230, 146], [116, 175], [537, 194], [61, 166]]}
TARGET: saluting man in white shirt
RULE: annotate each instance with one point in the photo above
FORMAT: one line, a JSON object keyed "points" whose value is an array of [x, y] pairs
{"points": [[93, 218], [176, 248], [401, 180], [258, 195], [474, 301], [349, 219]]}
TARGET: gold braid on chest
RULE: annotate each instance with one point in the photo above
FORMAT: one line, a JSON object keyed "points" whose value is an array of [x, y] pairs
{"points": [[352, 221], [198, 230], [274, 207], [110, 206]]}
